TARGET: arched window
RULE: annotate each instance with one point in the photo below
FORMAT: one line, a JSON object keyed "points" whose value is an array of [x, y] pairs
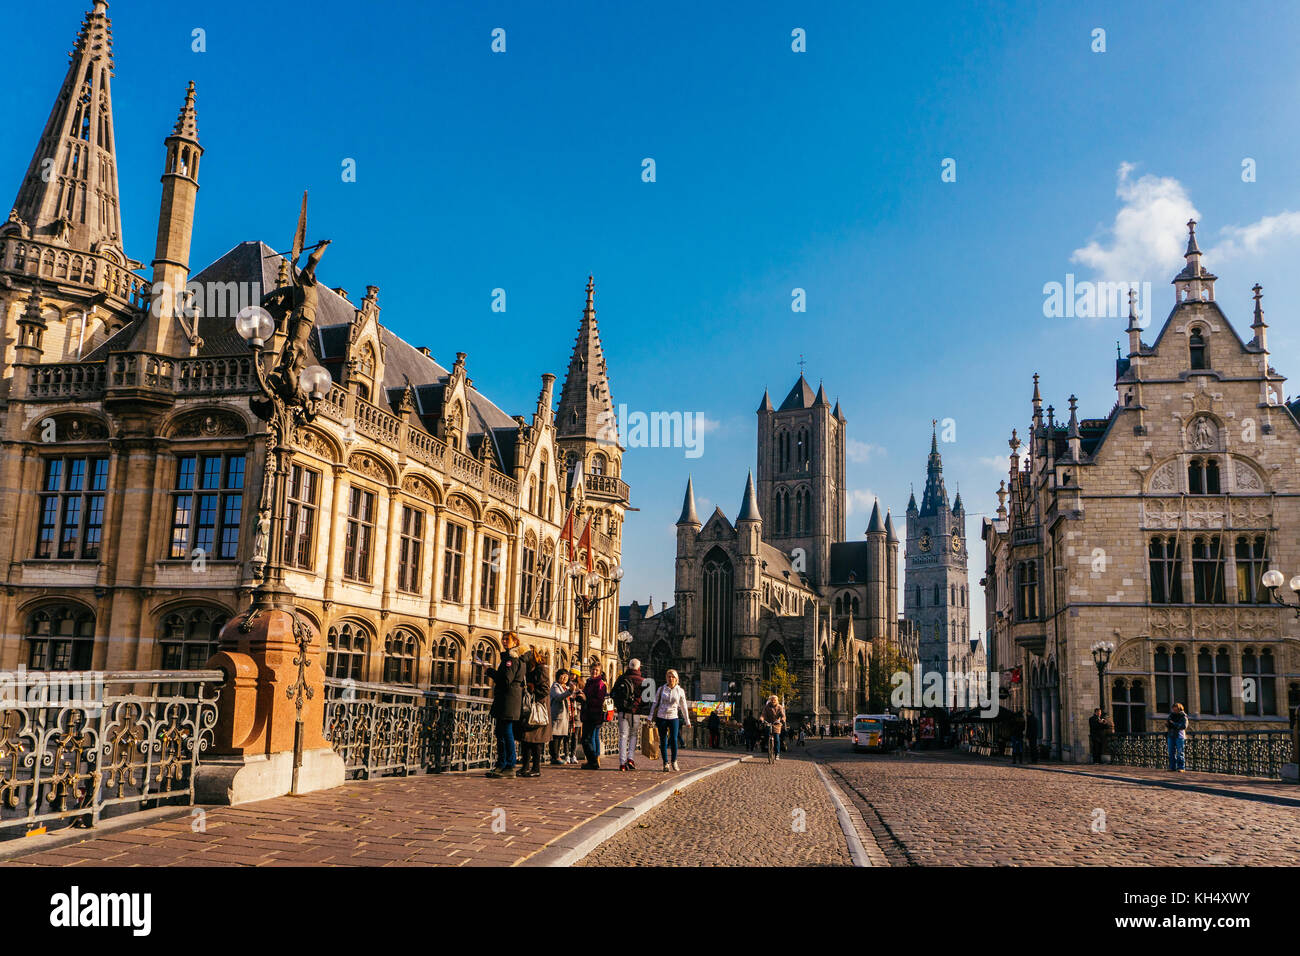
{"points": [[1252, 562], [1203, 476], [545, 577], [189, 638], [1130, 705], [661, 658], [598, 463], [839, 607], [783, 451], [1171, 678], [772, 655], [1199, 352], [856, 607], [803, 451], [1215, 681], [347, 647], [938, 595], [60, 638], [1166, 565], [717, 608], [1259, 683], [485, 658], [444, 664], [1207, 569], [807, 511], [798, 512], [528, 577], [400, 657], [1027, 590]]}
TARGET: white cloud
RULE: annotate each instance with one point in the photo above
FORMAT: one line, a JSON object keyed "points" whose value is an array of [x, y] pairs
{"points": [[861, 450], [1250, 240], [707, 424], [1002, 463], [1147, 239], [860, 501]]}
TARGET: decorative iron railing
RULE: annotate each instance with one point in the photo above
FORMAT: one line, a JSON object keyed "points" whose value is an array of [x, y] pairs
{"points": [[384, 729], [1250, 753], [75, 746]]}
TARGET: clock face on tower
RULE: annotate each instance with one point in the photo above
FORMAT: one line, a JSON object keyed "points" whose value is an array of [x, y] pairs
{"points": [[956, 544], [924, 543]]}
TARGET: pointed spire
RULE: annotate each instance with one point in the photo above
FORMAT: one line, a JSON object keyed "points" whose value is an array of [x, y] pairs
{"points": [[187, 123], [70, 192], [890, 536], [957, 506], [935, 495], [821, 396], [874, 526], [1261, 329], [749, 508], [586, 405], [766, 404], [911, 502], [688, 505], [1194, 282], [837, 414]]}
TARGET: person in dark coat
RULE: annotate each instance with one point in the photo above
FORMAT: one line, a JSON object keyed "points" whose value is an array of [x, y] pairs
{"points": [[751, 730], [507, 703], [593, 715], [1099, 730], [539, 686], [715, 725]]}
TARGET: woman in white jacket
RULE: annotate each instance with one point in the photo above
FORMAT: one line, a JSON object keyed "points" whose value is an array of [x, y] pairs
{"points": [[670, 715]]}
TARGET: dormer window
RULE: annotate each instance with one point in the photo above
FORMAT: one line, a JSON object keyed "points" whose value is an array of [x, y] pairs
{"points": [[1200, 357]]}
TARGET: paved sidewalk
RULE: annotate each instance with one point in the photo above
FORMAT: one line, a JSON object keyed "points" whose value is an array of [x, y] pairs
{"points": [[435, 820]]}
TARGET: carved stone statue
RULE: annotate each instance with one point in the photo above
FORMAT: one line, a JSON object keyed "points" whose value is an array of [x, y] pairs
{"points": [[1203, 435], [294, 309]]}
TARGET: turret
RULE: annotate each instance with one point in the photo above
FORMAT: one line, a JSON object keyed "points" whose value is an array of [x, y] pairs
{"points": [[171, 264], [749, 523], [31, 332], [1194, 283]]}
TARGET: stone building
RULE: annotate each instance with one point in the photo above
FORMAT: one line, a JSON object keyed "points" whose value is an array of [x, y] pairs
{"points": [[780, 581], [1151, 528], [936, 596], [423, 520]]}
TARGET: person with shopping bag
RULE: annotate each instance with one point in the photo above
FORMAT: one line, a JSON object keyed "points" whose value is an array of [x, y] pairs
{"points": [[649, 740], [627, 703], [670, 715]]}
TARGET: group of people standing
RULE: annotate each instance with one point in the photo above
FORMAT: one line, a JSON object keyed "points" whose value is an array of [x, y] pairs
{"points": [[532, 710]]}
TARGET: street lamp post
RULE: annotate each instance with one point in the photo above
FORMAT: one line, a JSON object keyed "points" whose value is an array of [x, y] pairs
{"points": [[1272, 580], [624, 646], [1101, 652], [290, 396], [590, 589]]}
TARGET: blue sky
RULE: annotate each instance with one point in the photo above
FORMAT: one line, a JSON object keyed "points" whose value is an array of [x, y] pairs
{"points": [[775, 170]]}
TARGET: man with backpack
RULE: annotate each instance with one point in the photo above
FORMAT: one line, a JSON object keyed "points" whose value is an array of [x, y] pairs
{"points": [[627, 704]]}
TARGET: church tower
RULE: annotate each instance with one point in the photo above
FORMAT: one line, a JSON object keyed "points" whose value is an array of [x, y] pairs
{"points": [[937, 597], [69, 195], [801, 477]]}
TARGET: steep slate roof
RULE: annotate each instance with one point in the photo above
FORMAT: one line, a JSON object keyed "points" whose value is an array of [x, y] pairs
{"points": [[256, 265], [801, 396]]}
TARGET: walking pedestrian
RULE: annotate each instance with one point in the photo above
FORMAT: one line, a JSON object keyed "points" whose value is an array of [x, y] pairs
{"points": [[670, 714], [574, 706], [507, 703], [627, 702], [750, 726], [1018, 725], [1176, 732], [1099, 731], [715, 725], [560, 694], [1031, 732], [801, 735], [536, 736], [593, 715]]}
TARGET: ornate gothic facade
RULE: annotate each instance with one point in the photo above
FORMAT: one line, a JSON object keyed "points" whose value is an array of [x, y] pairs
{"points": [[1150, 529], [423, 520]]}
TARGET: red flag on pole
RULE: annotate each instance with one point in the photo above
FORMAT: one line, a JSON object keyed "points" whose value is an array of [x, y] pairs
{"points": [[585, 542], [566, 535]]}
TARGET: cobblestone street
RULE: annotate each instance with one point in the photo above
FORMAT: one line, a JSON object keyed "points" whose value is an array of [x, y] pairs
{"points": [[949, 809], [748, 815]]}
